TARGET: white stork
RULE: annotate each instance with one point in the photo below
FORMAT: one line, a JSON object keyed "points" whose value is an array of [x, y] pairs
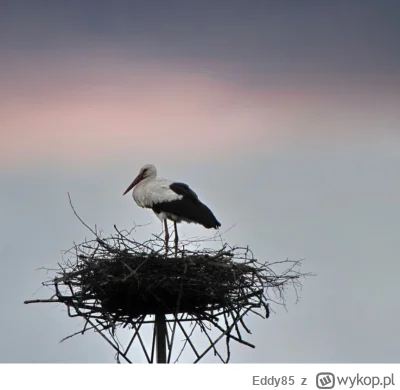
{"points": [[170, 200]]}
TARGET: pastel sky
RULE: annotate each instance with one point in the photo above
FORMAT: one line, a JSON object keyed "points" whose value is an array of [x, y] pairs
{"points": [[283, 116], [84, 83]]}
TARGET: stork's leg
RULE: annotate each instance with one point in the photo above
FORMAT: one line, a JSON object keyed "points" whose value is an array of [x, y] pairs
{"points": [[176, 238], [166, 234]]}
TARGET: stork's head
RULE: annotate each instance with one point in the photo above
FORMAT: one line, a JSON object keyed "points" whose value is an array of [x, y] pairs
{"points": [[147, 171]]}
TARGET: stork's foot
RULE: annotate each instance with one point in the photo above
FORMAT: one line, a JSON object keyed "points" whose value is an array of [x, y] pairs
{"points": [[176, 239], [176, 244], [166, 244], [166, 237]]}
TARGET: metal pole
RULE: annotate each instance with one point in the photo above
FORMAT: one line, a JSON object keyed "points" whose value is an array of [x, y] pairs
{"points": [[161, 337]]}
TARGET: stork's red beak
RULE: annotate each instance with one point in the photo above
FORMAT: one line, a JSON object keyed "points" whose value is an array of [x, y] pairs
{"points": [[137, 180]]}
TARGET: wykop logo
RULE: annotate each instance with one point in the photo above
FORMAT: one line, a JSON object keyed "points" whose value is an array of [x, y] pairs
{"points": [[325, 380]]}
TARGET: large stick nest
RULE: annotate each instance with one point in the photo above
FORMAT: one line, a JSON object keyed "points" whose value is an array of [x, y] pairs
{"points": [[119, 279]]}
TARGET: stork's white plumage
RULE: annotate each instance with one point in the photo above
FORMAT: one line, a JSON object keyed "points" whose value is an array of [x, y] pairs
{"points": [[170, 201]]}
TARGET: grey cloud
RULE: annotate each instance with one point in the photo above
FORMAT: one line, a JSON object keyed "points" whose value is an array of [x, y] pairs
{"points": [[253, 39]]}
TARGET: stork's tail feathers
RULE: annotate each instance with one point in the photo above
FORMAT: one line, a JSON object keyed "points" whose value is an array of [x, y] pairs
{"points": [[214, 225], [206, 218]]}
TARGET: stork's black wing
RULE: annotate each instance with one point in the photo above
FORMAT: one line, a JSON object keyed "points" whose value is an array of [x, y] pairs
{"points": [[189, 207], [184, 190]]}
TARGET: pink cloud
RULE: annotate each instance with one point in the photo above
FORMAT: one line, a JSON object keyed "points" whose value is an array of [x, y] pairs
{"points": [[92, 112], [120, 110]]}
